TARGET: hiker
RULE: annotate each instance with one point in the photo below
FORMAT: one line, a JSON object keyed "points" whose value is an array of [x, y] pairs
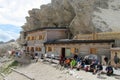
{"points": [[78, 59], [73, 63], [87, 68], [99, 69], [106, 60], [61, 61], [78, 63], [75, 56], [16, 54], [67, 62], [82, 64], [96, 61], [109, 70], [92, 67], [87, 61], [116, 60], [32, 56], [36, 57]]}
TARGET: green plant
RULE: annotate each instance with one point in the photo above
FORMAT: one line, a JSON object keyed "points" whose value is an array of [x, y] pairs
{"points": [[7, 70], [14, 63]]}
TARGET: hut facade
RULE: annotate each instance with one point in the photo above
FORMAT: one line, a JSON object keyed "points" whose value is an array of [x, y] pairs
{"points": [[54, 40], [35, 39], [68, 48]]}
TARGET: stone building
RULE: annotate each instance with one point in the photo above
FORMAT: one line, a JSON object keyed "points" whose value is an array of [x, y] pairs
{"points": [[55, 40], [35, 39], [68, 47]]}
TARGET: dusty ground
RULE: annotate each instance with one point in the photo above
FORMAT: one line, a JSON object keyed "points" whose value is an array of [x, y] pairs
{"points": [[40, 71]]}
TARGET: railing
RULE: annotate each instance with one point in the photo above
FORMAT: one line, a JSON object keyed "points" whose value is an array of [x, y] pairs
{"points": [[105, 35], [22, 74], [4, 76]]}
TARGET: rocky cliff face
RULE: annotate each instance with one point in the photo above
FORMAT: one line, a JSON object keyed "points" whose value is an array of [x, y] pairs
{"points": [[81, 16], [106, 16]]}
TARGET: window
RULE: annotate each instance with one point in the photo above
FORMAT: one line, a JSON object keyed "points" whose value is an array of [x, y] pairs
{"points": [[28, 38], [32, 49], [27, 49], [72, 50], [93, 50], [76, 50], [33, 38], [49, 49], [40, 37], [43, 37], [38, 49], [67, 52]]}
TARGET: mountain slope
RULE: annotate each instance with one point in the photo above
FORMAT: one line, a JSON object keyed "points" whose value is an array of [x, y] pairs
{"points": [[8, 46]]}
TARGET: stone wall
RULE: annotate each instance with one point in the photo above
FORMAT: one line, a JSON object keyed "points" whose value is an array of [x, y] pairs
{"points": [[102, 49]]}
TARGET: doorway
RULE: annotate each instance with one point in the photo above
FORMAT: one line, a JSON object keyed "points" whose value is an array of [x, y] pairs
{"points": [[63, 52]]}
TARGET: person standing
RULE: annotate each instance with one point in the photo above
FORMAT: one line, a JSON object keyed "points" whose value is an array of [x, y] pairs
{"points": [[116, 60], [36, 57]]}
